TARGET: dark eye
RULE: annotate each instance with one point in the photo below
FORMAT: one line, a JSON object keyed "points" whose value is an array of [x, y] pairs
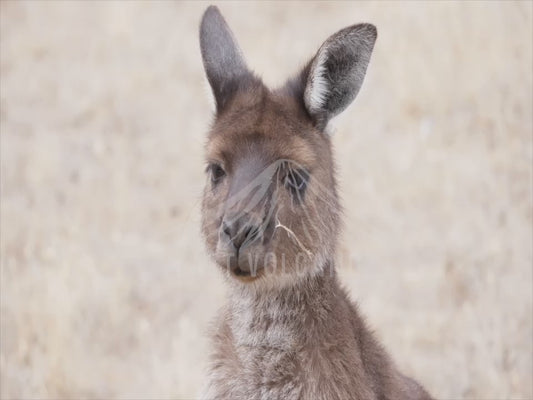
{"points": [[296, 180], [217, 172]]}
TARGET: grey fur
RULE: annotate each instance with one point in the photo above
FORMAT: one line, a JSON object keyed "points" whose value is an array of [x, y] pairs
{"points": [[288, 331], [223, 62]]}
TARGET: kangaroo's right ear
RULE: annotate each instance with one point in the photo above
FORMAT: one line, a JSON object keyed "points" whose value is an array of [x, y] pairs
{"points": [[223, 62]]}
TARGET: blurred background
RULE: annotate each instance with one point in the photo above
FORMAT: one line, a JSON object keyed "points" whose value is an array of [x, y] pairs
{"points": [[106, 290]]}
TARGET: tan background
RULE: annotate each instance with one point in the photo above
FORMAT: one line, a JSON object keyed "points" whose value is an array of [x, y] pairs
{"points": [[106, 290]]}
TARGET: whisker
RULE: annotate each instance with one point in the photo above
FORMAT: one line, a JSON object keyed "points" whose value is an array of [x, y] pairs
{"points": [[293, 236]]}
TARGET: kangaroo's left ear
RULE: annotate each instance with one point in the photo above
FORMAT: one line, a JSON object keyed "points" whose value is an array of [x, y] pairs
{"points": [[335, 75]]}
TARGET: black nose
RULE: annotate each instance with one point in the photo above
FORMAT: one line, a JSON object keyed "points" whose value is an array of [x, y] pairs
{"points": [[242, 230]]}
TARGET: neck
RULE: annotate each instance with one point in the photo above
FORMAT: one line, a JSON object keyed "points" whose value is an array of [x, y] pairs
{"points": [[285, 316]]}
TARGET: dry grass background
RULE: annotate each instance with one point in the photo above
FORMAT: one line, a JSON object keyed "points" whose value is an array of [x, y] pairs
{"points": [[106, 291]]}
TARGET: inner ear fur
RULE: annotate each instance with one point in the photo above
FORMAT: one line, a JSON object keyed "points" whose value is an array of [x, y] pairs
{"points": [[334, 76]]}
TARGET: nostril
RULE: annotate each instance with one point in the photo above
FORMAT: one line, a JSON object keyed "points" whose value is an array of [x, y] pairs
{"points": [[226, 229], [240, 233], [253, 233], [246, 232]]}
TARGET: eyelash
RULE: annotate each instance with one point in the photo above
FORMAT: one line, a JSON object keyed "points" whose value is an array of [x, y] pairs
{"points": [[296, 180]]}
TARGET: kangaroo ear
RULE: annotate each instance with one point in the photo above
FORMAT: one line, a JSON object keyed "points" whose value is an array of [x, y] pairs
{"points": [[223, 61], [335, 75]]}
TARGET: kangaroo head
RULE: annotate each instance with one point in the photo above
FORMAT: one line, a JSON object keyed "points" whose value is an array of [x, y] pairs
{"points": [[270, 206]]}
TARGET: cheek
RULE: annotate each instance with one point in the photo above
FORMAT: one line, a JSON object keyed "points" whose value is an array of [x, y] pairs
{"points": [[211, 217], [292, 233], [312, 220]]}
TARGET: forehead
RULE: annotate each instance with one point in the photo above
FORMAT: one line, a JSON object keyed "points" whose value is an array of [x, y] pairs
{"points": [[264, 127]]}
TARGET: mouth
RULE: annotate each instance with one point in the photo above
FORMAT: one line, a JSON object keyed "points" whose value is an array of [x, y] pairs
{"points": [[244, 275], [244, 266]]}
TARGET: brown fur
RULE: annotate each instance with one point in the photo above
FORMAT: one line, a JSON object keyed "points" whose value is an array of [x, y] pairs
{"points": [[289, 330]]}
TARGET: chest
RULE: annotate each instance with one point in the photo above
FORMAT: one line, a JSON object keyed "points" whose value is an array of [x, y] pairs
{"points": [[277, 363]]}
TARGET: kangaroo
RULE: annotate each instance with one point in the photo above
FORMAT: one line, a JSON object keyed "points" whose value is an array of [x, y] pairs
{"points": [[270, 218]]}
